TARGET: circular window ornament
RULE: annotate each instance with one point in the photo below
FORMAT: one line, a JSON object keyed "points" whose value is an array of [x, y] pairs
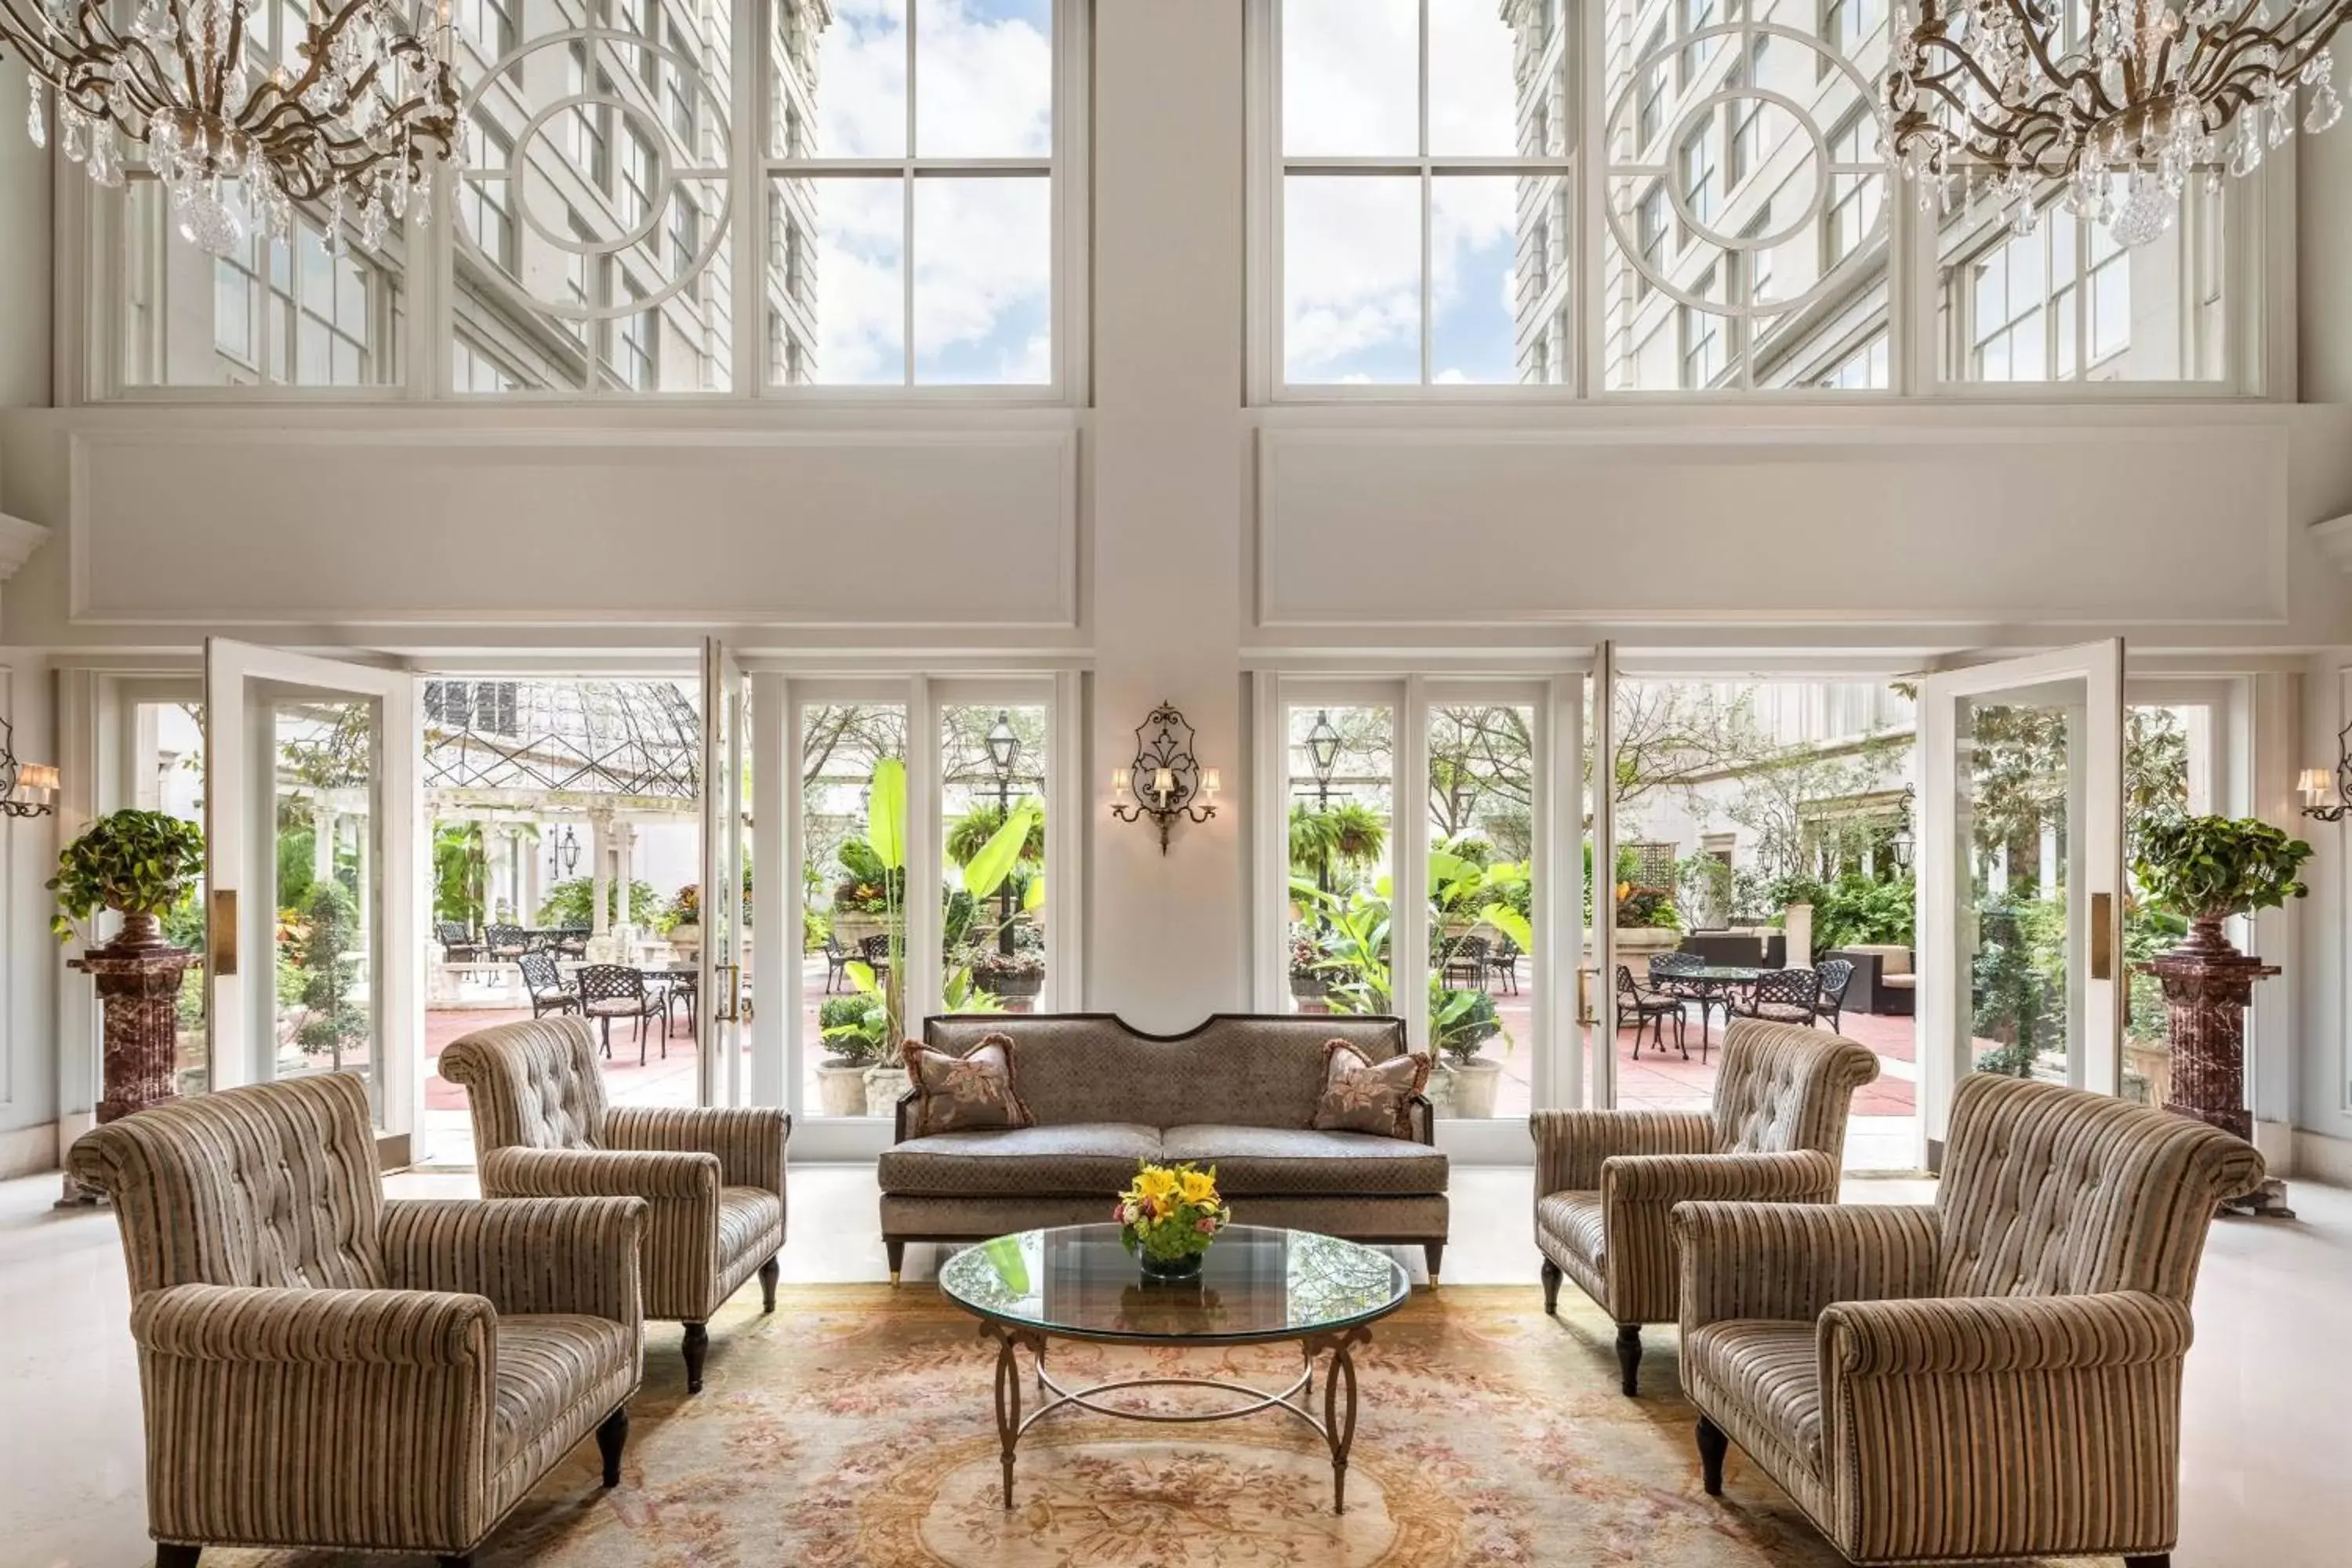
{"points": [[1627, 173], [538, 155]]}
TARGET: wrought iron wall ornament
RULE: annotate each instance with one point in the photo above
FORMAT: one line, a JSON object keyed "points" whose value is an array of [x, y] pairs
{"points": [[1166, 778], [33, 778], [2317, 784]]}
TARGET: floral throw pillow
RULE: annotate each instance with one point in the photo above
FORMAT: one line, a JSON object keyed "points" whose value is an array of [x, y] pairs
{"points": [[965, 1093], [1362, 1095]]}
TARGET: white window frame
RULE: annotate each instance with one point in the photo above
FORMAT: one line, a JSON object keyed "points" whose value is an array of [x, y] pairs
{"points": [[88, 258], [1557, 695], [2258, 271]]}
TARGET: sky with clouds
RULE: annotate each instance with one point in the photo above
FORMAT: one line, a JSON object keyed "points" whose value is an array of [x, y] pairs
{"points": [[981, 247]]}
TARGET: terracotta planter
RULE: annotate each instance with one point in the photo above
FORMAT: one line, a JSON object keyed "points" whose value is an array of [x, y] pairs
{"points": [[885, 1082], [841, 1090], [854, 926]]}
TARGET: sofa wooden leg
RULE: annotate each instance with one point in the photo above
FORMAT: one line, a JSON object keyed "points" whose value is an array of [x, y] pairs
{"points": [[768, 1273], [1712, 1446], [2149, 1560], [171, 1554], [1629, 1358], [612, 1436], [1552, 1288], [455, 1560], [1434, 1251], [697, 1341], [898, 1251]]}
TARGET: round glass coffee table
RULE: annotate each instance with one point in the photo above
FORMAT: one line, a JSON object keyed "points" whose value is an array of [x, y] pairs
{"points": [[1257, 1286]]}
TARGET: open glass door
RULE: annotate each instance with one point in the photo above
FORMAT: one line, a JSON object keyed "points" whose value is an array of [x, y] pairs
{"points": [[2020, 874], [311, 875], [725, 953]]}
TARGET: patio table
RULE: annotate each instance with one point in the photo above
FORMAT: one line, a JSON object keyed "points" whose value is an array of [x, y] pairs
{"points": [[1709, 986]]}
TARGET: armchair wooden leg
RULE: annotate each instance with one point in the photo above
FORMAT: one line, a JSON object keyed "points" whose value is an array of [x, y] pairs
{"points": [[1434, 1251], [898, 1251], [1712, 1444], [612, 1435], [2150, 1560], [1629, 1358], [455, 1560], [1552, 1288], [171, 1554], [698, 1342], [768, 1273]]}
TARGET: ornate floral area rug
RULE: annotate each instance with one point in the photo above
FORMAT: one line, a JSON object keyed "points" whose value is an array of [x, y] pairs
{"points": [[855, 1427]]}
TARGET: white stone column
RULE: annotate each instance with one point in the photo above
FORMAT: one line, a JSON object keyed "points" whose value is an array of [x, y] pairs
{"points": [[534, 874], [600, 858], [323, 822]]}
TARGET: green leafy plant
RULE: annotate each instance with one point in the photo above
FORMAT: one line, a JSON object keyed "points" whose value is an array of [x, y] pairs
{"points": [[573, 902], [2211, 868], [1462, 1021], [856, 1029], [1349, 834], [326, 950], [133, 862], [461, 869]]}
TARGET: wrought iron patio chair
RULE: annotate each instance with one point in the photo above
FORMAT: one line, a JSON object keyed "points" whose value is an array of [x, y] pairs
{"points": [[549, 993], [457, 943], [836, 964], [609, 991], [874, 951], [1465, 961], [507, 942], [1836, 974], [1649, 1008], [1505, 962], [1781, 995]]}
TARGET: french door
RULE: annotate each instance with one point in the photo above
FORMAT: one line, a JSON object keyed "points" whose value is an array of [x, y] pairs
{"points": [[311, 875], [725, 1071], [2020, 869]]}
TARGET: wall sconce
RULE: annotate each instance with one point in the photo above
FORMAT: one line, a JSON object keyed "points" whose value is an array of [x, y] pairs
{"points": [[567, 850], [2315, 786], [27, 789], [1165, 779]]}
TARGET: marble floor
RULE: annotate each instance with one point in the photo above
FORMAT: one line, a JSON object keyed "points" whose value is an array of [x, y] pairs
{"points": [[2267, 1411]]}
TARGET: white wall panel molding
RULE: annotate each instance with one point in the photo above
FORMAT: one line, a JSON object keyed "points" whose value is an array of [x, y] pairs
{"points": [[2334, 539], [171, 523], [2170, 517]]}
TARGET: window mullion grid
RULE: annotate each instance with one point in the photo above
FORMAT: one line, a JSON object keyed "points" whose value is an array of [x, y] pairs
{"points": [[749, 131], [907, 211], [1428, 328], [1590, 174]]}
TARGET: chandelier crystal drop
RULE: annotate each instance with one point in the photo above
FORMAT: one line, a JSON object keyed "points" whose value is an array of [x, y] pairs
{"points": [[349, 129], [2117, 103]]}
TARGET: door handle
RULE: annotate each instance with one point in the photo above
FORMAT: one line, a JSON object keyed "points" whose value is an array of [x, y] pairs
{"points": [[220, 930], [2102, 936]]}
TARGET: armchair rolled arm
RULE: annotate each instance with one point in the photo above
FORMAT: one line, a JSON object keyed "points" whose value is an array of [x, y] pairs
{"points": [[1571, 1144], [1958, 1335], [649, 1174], [315, 1328], [749, 1140], [1790, 1261], [525, 1255], [1796, 1176], [902, 1108]]}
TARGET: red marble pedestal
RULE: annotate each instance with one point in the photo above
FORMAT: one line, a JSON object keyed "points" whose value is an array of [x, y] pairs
{"points": [[139, 976], [2208, 986]]}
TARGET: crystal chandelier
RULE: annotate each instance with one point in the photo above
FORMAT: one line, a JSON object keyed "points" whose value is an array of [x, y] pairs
{"points": [[2118, 102], [234, 141]]}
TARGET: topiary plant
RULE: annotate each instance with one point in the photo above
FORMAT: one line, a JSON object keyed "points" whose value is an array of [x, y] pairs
{"points": [[133, 862], [2207, 868]]}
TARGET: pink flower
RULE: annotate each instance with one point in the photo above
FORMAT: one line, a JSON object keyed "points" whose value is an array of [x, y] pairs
{"points": [[1118, 1211], [1206, 1225]]}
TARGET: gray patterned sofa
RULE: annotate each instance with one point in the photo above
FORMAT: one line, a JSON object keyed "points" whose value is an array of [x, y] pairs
{"points": [[1235, 1092]]}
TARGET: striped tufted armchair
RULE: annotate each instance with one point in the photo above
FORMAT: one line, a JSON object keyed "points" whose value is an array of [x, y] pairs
{"points": [[324, 1369], [712, 1178], [1995, 1376], [1606, 1181]]}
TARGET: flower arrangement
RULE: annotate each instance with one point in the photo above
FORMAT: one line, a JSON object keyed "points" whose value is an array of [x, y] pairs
{"points": [[1168, 1216]]}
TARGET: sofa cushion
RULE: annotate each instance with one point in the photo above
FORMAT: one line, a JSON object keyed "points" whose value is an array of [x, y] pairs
{"points": [[965, 1092], [1360, 1097], [1272, 1162], [747, 1218], [1574, 1220], [1770, 1371], [546, 1363], [1081, 1159]]}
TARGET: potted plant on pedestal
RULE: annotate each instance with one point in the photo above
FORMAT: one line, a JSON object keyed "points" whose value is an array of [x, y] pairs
{"points": [[1310, 978], [2206, 870], [139, 864], [686, 920]]}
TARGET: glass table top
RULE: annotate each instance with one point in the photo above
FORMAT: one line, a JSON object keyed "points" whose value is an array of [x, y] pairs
{"points": [[1255, 1284], [1736, 973]]}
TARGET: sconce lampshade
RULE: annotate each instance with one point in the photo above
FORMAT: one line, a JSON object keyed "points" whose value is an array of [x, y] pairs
{"points": [[2315, 784], [38, 775]]}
